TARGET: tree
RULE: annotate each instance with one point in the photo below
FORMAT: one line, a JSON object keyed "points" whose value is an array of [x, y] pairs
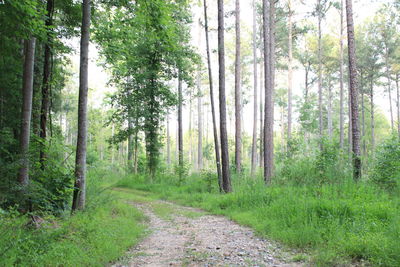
{"points": [[238, 93], [341, 77], [226, 181], [290, 69], [269, 73], [353, 91], [44, 110], [27, 94], [79, 197], [255, 81], [210, 80], [180, 128]]}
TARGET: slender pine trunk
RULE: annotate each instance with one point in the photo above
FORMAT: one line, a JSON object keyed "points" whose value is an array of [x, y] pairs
{"points": [[238, 104], [341, 75], [290, 70], [255, 81], [180, 129]]}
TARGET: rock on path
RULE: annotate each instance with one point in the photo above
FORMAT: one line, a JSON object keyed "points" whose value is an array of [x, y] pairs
{"points": [[200, 240]]}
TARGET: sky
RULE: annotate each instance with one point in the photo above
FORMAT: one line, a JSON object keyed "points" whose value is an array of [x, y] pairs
{"points": [[98, 77]]}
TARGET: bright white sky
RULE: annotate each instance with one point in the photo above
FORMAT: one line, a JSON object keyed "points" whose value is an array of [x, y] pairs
{"points": [[98, 77]]}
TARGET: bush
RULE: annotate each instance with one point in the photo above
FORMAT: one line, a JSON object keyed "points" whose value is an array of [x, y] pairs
{"points": [[386, 171]]}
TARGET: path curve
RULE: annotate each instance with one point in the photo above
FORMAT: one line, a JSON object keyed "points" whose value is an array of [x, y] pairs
{"points": [[185, 236]]}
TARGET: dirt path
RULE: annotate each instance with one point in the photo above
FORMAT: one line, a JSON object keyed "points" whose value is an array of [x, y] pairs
{"points": [[182, 236]]}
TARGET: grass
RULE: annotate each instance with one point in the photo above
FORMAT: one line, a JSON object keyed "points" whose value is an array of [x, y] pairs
{"points": [[99, 235], [335, 223]]}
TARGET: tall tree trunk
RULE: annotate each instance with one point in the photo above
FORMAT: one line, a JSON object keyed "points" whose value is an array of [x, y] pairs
{"points": [[364, 146], [44, 109], [80, 163], [168, 143], [191, 152], [269, 58], [180, 129], [330, 122], [354, 91], [262, 88], [135, 151], [27, 95], [226, 179], [398, 104], [290, 70], [255, 81], [389, 86], [238, 104], [321, 124], [372, 117], [210, 79], [341, 74], [130, 145], [199, 112]]}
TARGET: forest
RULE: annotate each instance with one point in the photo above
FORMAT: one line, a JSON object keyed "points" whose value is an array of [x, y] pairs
{"points": [[199, 133]]}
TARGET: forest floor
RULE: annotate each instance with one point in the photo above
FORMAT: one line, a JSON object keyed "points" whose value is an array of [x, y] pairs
{"points": [[183, 236]]}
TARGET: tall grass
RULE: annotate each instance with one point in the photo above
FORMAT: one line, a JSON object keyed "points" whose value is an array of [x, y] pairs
{"points": [[337, 222]]}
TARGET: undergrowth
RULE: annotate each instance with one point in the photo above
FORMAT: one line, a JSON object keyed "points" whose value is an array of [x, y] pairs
{"points": [[100, 234], [337, 222]]}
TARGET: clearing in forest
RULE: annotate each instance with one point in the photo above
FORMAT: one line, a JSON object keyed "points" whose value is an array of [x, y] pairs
{"points": [[183, 236]]}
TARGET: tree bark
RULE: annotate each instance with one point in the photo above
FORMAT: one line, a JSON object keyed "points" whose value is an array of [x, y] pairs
{"points": [[330, 122], [180, 129], [210, 79], [353, 91], [372, 117], [269, 51], [341, 75], [168, 143], [320, 119], [389, 86], [79, 197], [44, 109], [226, 179], [364, 146], [27, 96], [262, 88], [238, 104], [290, 70], [398, 104], [130, 145], [255, 81], [199, 114]]}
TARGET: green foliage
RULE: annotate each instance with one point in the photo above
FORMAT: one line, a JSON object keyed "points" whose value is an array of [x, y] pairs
{"points": [[336, 223], [101, 234], [386, 171]]}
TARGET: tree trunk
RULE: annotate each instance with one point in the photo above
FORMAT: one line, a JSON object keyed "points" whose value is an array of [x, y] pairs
{"points": [[353, 91], [398, 105], [290, 70], [364, 151], [330, 123], [135, 151], [180, 129], [210, 79], [372, 118], [262, 88], [321, 123], [269, 58], [168, 143], [389, 87], [255, 107], [130, 145], [44, 109], [341, 115], [80, 163], [27, 95], [238, 126], [226, 179], [199, 113]]}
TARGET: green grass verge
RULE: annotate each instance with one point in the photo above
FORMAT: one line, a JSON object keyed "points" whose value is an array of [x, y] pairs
{"points": [[95, 237], [336, 224]]}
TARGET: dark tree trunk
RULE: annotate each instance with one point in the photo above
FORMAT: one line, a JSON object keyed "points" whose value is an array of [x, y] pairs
{"points": [[168, 143], [210, 79], [238, 104], [398, 104], [130, 145], [372, 117], [262, 88], [44, 110], [226, 179], [353, 91], [80, 164], [27, 95], [255, 81]]}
